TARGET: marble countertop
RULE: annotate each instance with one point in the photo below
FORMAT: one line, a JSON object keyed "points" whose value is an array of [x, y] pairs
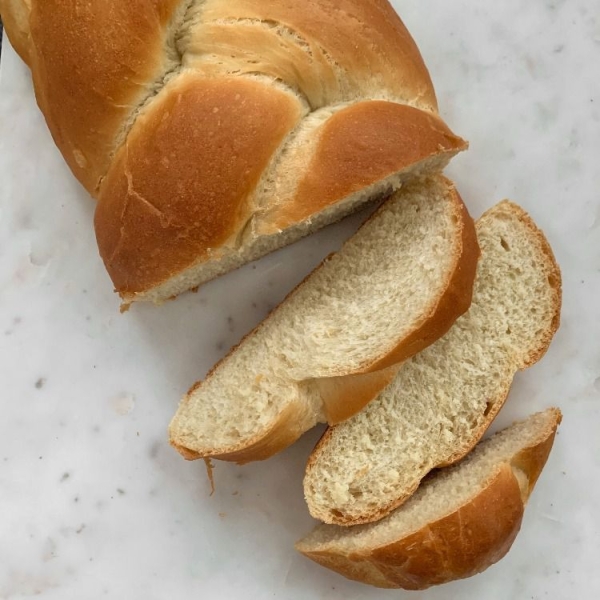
{"points": [[94, 503]]}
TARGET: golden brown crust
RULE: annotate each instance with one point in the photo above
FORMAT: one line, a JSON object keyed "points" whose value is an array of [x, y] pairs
{"points": [[15, 18], [154, 217], [461, 544], [345, 395], [93, 62], [364, 41], [361, 145], [532, 460], [353, 567], [353, 153]]}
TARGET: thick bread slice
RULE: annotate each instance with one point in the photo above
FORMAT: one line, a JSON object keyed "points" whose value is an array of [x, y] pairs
{"points": [[394, 288], [459, 522], [443, 400]]}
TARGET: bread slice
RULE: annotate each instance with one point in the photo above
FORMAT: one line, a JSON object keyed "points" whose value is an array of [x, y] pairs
{"points": [[395, 287], [459, 522], [443, 399]]}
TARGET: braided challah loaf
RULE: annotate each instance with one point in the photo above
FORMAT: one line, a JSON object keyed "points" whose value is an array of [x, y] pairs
{"points": [[214, 131]]}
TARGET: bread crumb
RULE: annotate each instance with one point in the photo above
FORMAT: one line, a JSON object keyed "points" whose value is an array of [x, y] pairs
{"points": [[209, 472]]}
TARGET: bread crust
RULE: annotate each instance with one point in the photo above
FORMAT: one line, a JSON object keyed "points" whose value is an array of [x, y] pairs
{"points": [[461, 544], [457, 546], [153, 219], [129, 232], [359, 146], [93, 63], [15, 18], [345, 395], [364, 42]]}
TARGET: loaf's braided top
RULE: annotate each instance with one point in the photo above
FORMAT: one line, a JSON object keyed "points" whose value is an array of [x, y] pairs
{"points": [[205, 127]]}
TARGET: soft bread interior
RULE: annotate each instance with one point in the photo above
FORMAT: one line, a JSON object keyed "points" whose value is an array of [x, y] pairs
{"points": [[385, 281], [444, 492], [442, 399]]}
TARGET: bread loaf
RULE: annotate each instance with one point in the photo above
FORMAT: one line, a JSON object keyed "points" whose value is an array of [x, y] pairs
{"points": [[459, 522], [443, 399], [395, 287], [214, 131]]}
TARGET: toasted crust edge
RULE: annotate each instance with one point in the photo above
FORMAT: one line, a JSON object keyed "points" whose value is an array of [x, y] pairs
{"points": [[463, 543], [361, 145]]}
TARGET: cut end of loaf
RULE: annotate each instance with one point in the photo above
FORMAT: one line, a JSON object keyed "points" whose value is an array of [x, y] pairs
{"points": [[282, 223], [444, 398], [460, 521]]}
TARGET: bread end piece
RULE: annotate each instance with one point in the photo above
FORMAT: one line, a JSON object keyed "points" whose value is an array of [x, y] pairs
{"points": [[462, 543]]}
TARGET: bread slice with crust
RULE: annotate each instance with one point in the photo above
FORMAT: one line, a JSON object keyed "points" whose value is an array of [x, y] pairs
{"points": [[394, 288], [459, 522], [443, 399]]}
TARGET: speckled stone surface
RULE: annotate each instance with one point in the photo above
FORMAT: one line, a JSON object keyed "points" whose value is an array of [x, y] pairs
{"points": [[94, 503]]}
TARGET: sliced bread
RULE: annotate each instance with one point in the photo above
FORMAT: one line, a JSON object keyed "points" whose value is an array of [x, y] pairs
{"points": [[443, 399], [394, 288], [460, 521]]}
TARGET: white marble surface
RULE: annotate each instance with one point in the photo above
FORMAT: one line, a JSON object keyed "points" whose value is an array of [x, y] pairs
{"points": [[93, 502]]}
